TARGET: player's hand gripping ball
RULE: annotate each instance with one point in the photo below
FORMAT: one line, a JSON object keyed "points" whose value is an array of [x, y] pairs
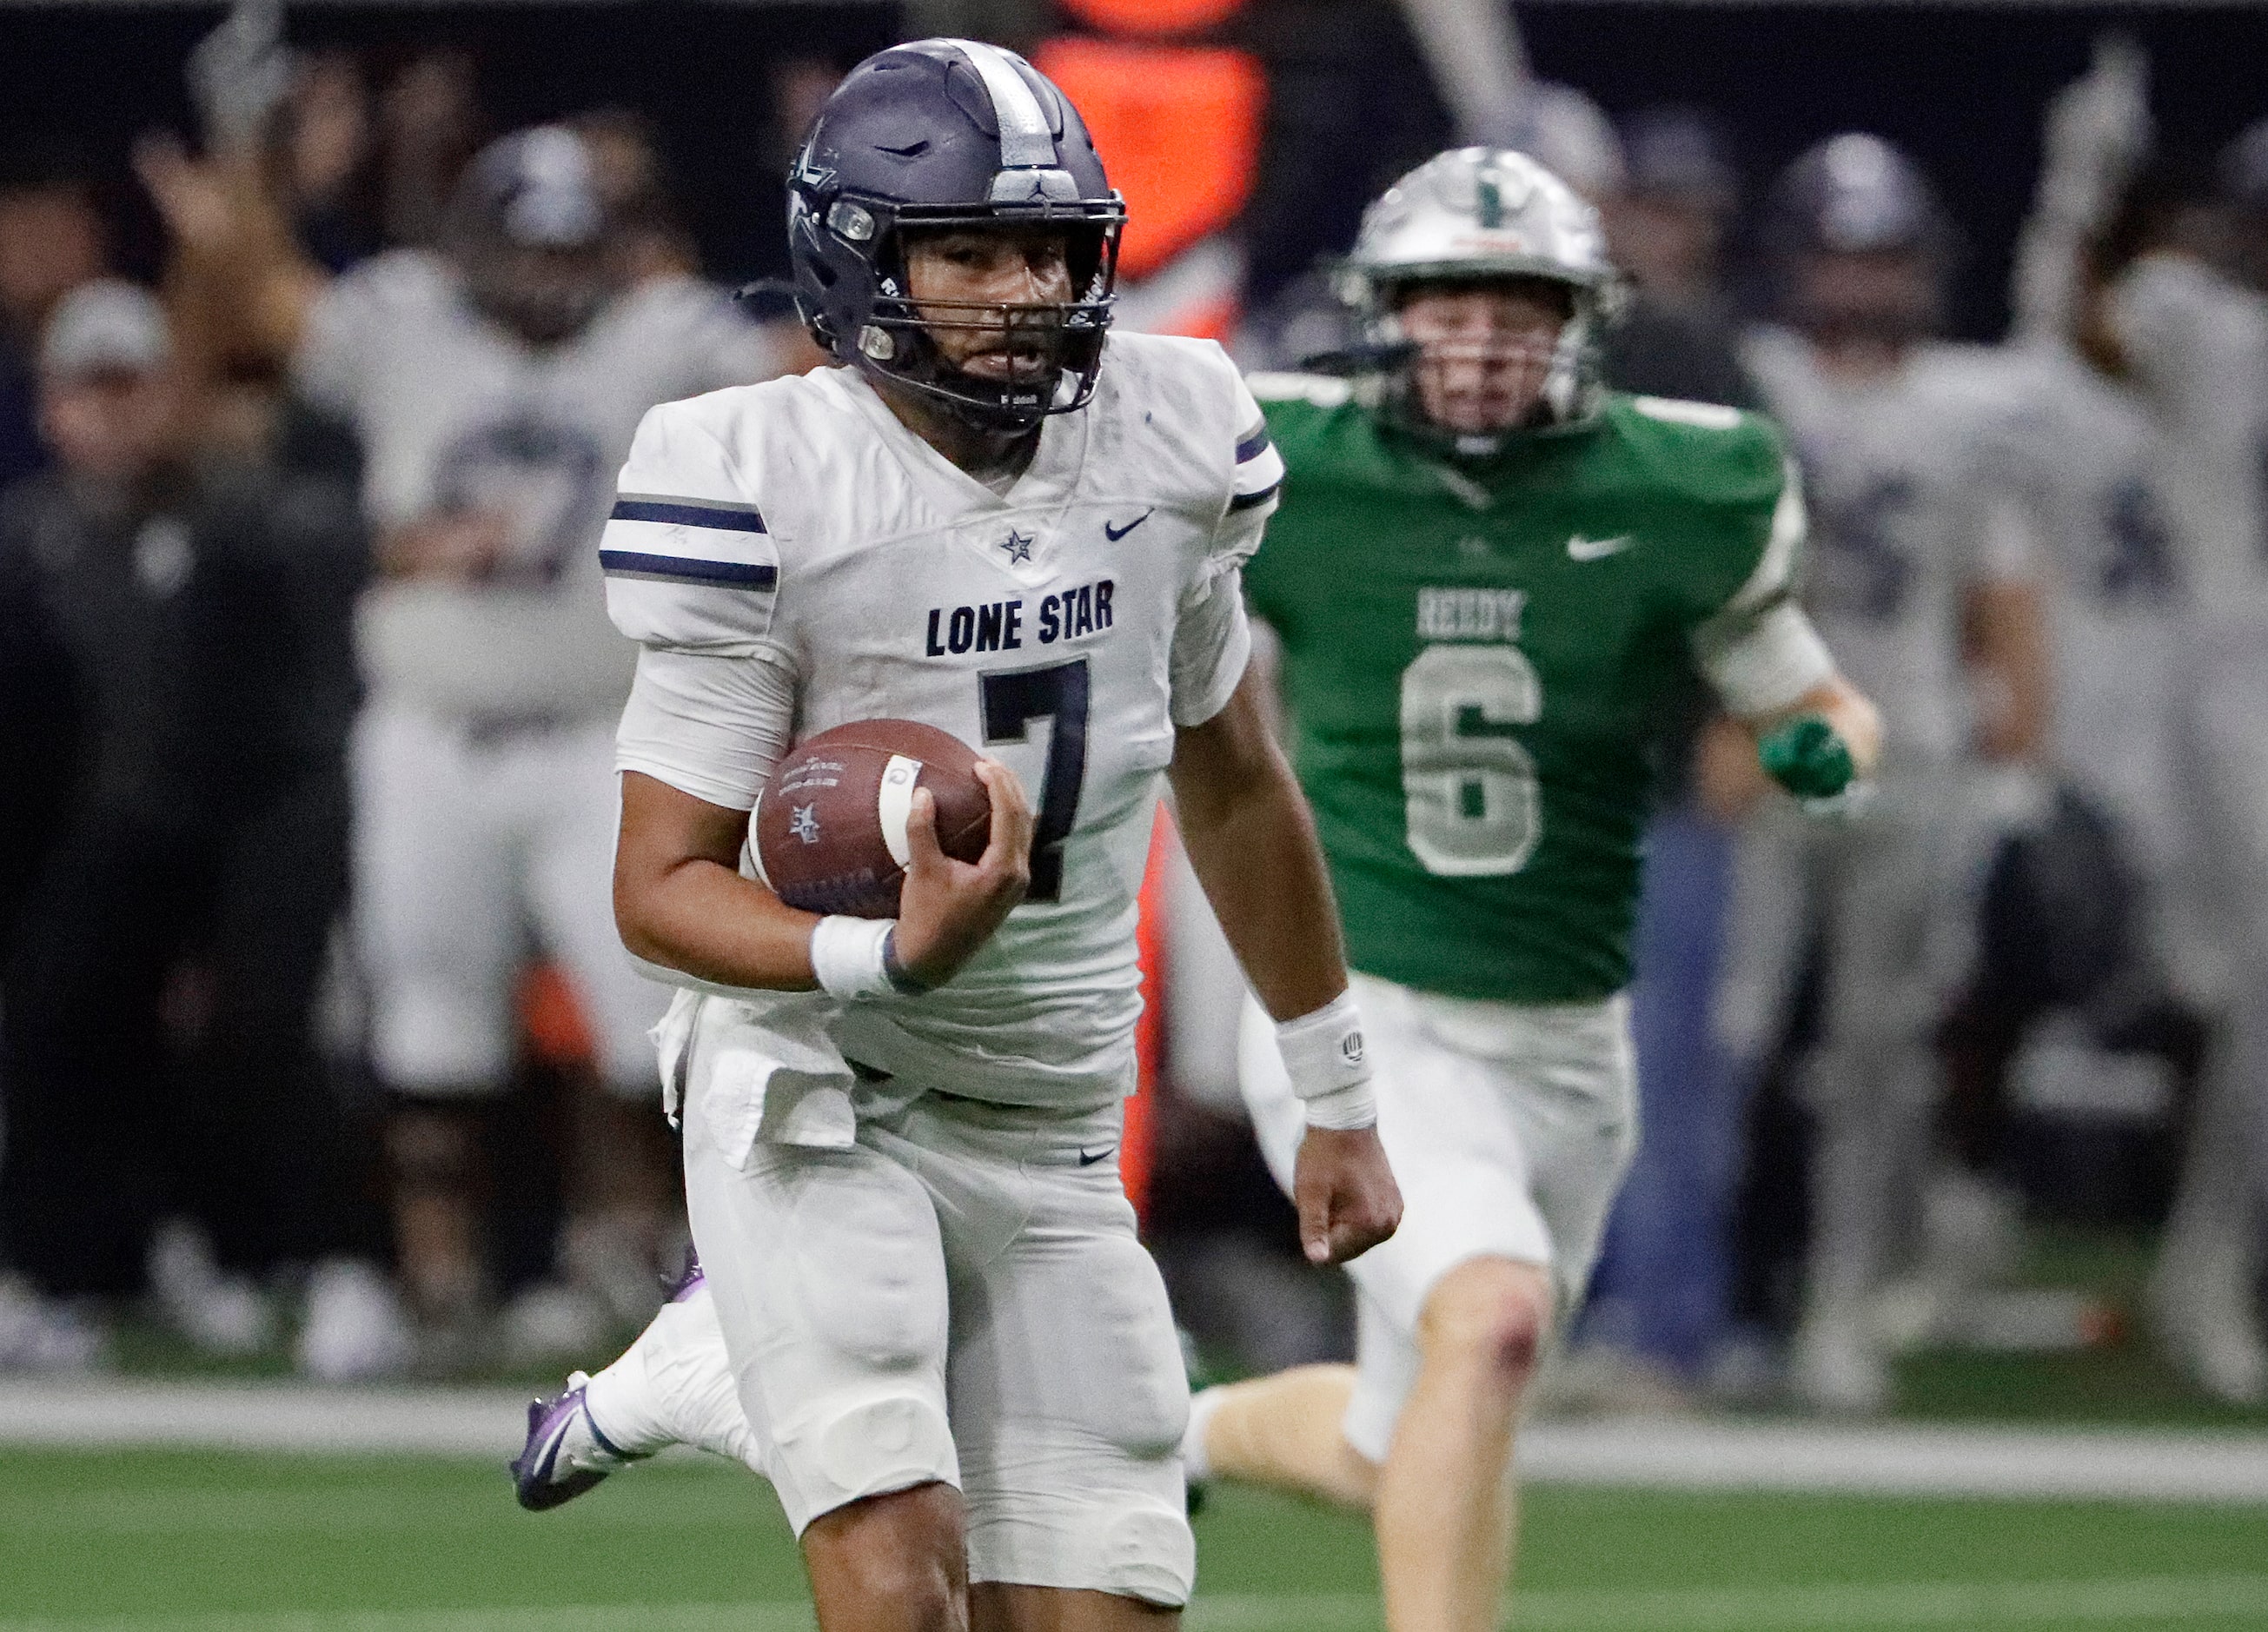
{"points": [[830, 827]]}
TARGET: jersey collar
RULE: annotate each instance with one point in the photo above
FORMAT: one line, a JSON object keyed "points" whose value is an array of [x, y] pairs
{"points": [[1047, 480]]}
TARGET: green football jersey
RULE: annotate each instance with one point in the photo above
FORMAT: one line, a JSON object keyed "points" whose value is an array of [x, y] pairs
{"points": [[1478, 658]]}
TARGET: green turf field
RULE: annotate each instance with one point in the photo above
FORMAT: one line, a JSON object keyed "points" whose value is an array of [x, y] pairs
{"points": [[150, 1540]]}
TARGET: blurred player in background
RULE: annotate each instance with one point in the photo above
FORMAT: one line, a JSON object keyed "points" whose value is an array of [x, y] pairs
{"points": [[1922, 580], [2096, 959], [1491, 574], [495, 387], [158, 1052], [955, 1362], [2160, 285]]}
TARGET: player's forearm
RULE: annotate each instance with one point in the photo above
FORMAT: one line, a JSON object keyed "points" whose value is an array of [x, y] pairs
{"points": [[2006, 644], [680, 903], [1252, 841]]}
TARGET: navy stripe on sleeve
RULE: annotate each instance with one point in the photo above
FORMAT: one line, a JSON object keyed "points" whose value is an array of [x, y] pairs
{"points": [[1253, 446], [687, 513], [1246, 501], [630, 563]]}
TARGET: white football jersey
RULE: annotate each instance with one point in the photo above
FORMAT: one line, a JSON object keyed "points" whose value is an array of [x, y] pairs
{"points": [[1066, 627], [2113, 591], [2198, 344], [1906, 481], [456, 414]]}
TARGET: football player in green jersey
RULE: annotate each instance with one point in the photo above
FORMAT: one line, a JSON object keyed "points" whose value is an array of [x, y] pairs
{"points": [[1487, 577]]}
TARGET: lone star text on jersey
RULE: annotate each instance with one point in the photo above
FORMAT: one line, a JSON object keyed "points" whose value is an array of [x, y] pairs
{"points": [[999, 625]]}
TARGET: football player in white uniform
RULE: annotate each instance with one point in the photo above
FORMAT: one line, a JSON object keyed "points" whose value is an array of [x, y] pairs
{"points": [[953, 1360], [495, 389], [1920, 581], [2135, 271], [2191, 336]]}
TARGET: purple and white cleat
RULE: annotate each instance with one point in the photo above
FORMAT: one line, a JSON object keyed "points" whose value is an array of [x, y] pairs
{"points": [[688, 1282], [549, 1470]]}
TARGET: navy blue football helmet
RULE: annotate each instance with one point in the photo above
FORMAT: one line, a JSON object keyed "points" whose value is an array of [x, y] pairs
{"points": [[1857, 244], [1855, 194], [943, 134], [528, 229]]}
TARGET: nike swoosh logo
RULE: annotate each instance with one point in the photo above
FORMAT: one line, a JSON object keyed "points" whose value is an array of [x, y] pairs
{"points": [[1116, 534], [1085, 1160], [1580, 548]]}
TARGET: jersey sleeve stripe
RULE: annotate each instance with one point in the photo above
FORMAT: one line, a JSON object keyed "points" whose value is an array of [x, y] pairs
{"points": [[628, 563], [1246, 501], [683, 512], [1263, 471], [1254, 444]]}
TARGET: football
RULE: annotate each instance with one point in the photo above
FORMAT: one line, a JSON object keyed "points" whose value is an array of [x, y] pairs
{"points": [[830, 827]]}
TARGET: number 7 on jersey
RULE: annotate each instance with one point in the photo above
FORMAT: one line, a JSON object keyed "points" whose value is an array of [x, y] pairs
{"points": [[1010, 701]]}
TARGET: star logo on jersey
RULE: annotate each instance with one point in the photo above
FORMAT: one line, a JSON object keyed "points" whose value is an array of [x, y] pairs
{"points": [[1018, 545], [803, 822], [1580, 548]]}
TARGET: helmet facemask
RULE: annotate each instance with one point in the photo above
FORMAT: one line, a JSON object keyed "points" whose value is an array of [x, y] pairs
{"points": [[1058, 345], [1054, 347], [1476, 380], [1891, 297], [1482, 227], [545, 295]]}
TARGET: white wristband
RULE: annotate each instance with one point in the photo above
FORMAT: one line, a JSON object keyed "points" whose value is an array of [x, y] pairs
{"points": [[847, 956], [1324, 1056], [1343, 1109]]}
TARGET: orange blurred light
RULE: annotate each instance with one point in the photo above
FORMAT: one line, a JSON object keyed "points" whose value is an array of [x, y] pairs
{"points": [[1151, 19], [1178, 128]]}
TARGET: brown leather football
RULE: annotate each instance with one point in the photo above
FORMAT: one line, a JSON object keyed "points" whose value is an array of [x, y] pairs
{"points": [[830, 829]]}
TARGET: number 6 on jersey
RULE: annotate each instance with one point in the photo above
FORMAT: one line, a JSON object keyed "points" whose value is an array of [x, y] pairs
{"points": [[1468, 787]]}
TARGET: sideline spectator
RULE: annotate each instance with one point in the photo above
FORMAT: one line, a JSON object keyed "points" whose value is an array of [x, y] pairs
{"points": [[203, 608]]}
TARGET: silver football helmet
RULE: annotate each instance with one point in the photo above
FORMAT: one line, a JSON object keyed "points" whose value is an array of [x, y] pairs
{"points": [[1474, 214]]}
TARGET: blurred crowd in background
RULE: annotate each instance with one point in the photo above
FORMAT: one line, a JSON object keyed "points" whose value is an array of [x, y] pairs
{"points": [[313, 1037]]}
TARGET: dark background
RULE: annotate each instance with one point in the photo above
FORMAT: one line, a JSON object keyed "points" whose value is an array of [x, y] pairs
{"points": [[1963, 87]]}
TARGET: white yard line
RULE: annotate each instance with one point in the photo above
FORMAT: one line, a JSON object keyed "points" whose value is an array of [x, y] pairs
{"points": [[2169, 1601], [1649, 1453], [262, 1416], [1901, 1460]]}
